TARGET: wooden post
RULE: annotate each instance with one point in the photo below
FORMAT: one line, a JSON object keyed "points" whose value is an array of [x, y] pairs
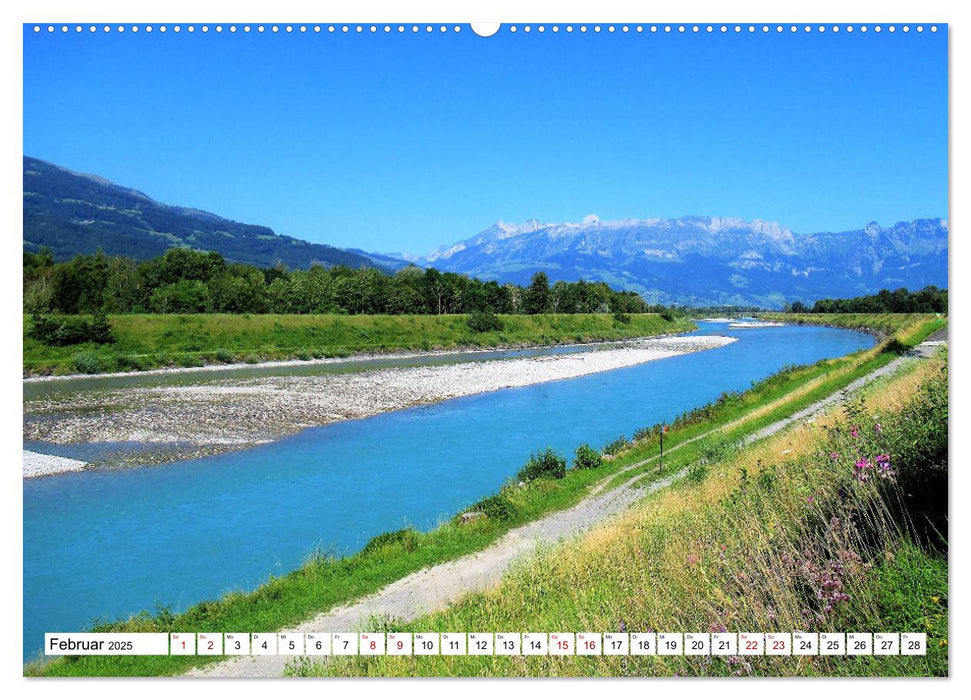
{"points": [[660, 461]]}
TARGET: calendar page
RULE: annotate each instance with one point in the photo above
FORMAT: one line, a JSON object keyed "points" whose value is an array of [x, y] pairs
{"points": [[388, 348]]}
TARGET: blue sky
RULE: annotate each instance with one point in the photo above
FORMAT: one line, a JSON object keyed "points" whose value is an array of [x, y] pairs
{"points": [[395, 142]]}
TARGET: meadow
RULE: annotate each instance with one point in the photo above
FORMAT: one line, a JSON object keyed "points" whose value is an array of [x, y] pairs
{"points": [[149, 341]]}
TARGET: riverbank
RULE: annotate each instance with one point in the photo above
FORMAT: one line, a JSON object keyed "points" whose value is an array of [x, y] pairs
{"points": [[222, 415], [880, 325], [435, 590], [323, 583], [791, 534], [153, 341]]}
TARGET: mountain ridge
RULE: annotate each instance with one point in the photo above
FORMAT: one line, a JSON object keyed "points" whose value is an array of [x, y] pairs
{"points": [[72, 212], [696, 260], [708, 259]]}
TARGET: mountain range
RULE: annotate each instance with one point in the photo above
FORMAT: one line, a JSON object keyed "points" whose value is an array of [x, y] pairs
{"points": [[696, 260], [73, 213], [706, 260]]}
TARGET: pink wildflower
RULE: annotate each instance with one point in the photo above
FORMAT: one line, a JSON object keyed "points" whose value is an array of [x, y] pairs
{"points": [[862, 469]]}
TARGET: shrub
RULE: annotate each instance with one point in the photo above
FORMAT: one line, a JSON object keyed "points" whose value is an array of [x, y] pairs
{"points": [[251, 359], [667, 316], [495, 508], [99, 330], [407, 538], [88, 363], [71, 331], [545, 465], [621, 317], [484, 321], [134, 362], [697, 472], [224, 356], [184, 296], [587, 458], [895, 346], [617, 446]]}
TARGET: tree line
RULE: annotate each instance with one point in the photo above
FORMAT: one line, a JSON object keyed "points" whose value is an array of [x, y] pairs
{"points": [[930, 299], [189, 281]]}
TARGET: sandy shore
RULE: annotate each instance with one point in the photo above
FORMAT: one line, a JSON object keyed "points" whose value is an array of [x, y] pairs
{"points": [[221, 415], [36, 464]]}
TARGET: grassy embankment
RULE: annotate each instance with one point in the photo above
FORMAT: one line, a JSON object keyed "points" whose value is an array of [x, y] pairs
{"points": [[324, 582], [147, 341], [878, 324], [781, 536]]}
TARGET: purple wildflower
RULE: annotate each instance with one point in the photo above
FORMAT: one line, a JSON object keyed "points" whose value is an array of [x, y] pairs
{"points": [[883, 466]]}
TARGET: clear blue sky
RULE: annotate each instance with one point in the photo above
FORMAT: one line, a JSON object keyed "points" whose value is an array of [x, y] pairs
{"points": [[395, 142]]}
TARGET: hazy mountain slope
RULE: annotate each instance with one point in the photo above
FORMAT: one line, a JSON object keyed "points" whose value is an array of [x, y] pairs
{"points": [[72, 213]]}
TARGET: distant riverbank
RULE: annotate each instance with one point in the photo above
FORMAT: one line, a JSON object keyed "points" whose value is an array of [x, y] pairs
{"points": [[222, 415], [169, 341], [879, 325]]}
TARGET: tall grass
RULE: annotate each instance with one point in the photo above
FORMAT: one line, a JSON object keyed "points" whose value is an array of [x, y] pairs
{"points": [[783, 536]]}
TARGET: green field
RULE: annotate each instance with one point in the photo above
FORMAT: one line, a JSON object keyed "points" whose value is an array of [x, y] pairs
{"points": [[325, 582], [147, 341]]}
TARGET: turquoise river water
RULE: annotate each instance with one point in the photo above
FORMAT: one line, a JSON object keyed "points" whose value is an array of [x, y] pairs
{"points": [[108, 543]]}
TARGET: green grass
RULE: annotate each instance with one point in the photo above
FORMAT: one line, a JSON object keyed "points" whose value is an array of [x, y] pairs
{"points": [[745, 546], [879, 324], [775, 398], [324, 582], [146, 341]]}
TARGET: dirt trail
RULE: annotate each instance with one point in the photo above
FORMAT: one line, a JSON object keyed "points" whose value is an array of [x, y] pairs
{"points": [[434, 588]]}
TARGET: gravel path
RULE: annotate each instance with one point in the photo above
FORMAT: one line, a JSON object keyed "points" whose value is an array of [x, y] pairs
{"points": [[434, 588], [230, 414]]}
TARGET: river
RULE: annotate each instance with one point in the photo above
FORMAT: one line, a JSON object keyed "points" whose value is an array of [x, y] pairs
{"points": [[107, 543]]}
